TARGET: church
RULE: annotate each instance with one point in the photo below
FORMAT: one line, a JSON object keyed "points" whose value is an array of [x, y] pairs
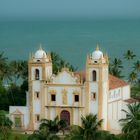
{"points": [[71, 95]]}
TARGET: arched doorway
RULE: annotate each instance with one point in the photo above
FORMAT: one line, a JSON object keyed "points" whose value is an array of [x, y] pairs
{"points": [[18, 121], [65, 115]]}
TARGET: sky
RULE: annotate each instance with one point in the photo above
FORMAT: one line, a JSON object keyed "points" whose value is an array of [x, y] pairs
{"points": [[70, 8]]}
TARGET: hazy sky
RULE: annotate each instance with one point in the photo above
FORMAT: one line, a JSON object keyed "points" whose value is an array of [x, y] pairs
{"points": [[70, 8]]}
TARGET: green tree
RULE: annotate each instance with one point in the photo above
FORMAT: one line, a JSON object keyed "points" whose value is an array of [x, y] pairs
{"points": [[137, 66], [43, 134], [59, 63], [129, 55], [132, 78], [131, 124], [54, 126], [3, 66], [88, 131], [135, 90], [5, 126], [115, 67]]}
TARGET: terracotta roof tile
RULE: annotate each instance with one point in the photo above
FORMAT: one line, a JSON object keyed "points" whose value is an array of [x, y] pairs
{"points": [[114, 82], [82, 75], [131, 100]]}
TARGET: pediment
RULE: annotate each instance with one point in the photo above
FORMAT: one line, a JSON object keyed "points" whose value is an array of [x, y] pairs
{"points": [[17, 112], [65, 77]]}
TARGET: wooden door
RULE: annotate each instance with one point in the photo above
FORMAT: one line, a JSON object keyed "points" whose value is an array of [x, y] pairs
{"points": [[65, 115]]}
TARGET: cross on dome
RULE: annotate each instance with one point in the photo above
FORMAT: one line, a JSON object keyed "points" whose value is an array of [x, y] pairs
{"points": [[97, 47], [40, 47]]}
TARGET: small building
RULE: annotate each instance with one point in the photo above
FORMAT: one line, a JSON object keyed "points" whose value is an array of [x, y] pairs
{"points": [[71, 94]]}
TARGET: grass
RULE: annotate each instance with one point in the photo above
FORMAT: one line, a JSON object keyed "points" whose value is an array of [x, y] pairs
{"points": [[18, 136]]}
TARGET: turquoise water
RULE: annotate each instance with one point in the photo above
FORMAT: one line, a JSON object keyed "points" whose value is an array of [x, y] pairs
{"points": [[72, 39]]}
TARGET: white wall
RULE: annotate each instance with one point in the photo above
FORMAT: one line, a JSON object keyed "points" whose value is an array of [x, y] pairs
{"points": [[116, 103], [24, 110], [64, 77], [59, 95]]}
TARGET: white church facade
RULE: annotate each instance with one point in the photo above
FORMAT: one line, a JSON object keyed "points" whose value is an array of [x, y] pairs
{"points": [[70, 95]]}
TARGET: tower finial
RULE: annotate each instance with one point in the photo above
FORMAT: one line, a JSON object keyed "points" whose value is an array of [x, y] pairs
{"points": [[97, 47], [40, 46]]}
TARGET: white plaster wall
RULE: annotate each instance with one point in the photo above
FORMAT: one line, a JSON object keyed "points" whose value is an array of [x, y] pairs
{"points": [[93, 87], [114, 115], [76, 117], [94, 107], [114, 110], [36, 102], [59, 95], [36, 125], [104, 105], [64, 78], [110, 110], [115, 94], [115, 99], [24, 110], [48, 71], [119, 110], [52, 113], [37, 106], [36, 86], [126, 92]]}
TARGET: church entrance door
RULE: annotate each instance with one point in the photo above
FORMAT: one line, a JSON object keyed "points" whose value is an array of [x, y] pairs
{"points": [[18, 122], [65, 115]]}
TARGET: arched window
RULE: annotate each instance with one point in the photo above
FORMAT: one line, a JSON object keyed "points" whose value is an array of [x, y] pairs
{"points": [[94, 75], [36, 74]]}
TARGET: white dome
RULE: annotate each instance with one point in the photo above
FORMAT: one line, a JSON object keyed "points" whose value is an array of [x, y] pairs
{"points": [[40, 54], [97, 54]]}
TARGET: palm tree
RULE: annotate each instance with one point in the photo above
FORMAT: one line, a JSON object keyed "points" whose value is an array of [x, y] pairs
{"points": [[19, 70], [54, 126], [137, 66], [115, 67], [132, 77], [135, 90], [129, 55], [3, 65], [59, 63], [117, 63], [5, 126], [15, 67], [88, 131], [131, 124], [43, 134]]}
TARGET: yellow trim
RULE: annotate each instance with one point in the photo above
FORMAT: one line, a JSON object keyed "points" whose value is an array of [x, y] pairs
{"points": [[64, 85], [64, 106], [64, 96]]}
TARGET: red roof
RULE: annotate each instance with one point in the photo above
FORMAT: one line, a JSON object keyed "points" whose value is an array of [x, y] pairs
{"points": [[132, 100], [114, 82], [82, 75]]}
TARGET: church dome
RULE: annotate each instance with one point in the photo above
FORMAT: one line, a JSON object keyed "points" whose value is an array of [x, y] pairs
{"points": [[40, 54], [97, 54]]}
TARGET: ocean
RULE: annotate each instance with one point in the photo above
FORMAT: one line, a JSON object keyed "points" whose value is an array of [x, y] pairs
{"points": [[72, 39]]}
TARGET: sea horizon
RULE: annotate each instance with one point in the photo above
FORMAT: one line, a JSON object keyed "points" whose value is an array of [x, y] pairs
{"points": [[71, 38]]}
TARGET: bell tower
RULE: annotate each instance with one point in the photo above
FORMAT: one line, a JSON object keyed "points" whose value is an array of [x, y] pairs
{"points": [[39, 71], [97, 85]]}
